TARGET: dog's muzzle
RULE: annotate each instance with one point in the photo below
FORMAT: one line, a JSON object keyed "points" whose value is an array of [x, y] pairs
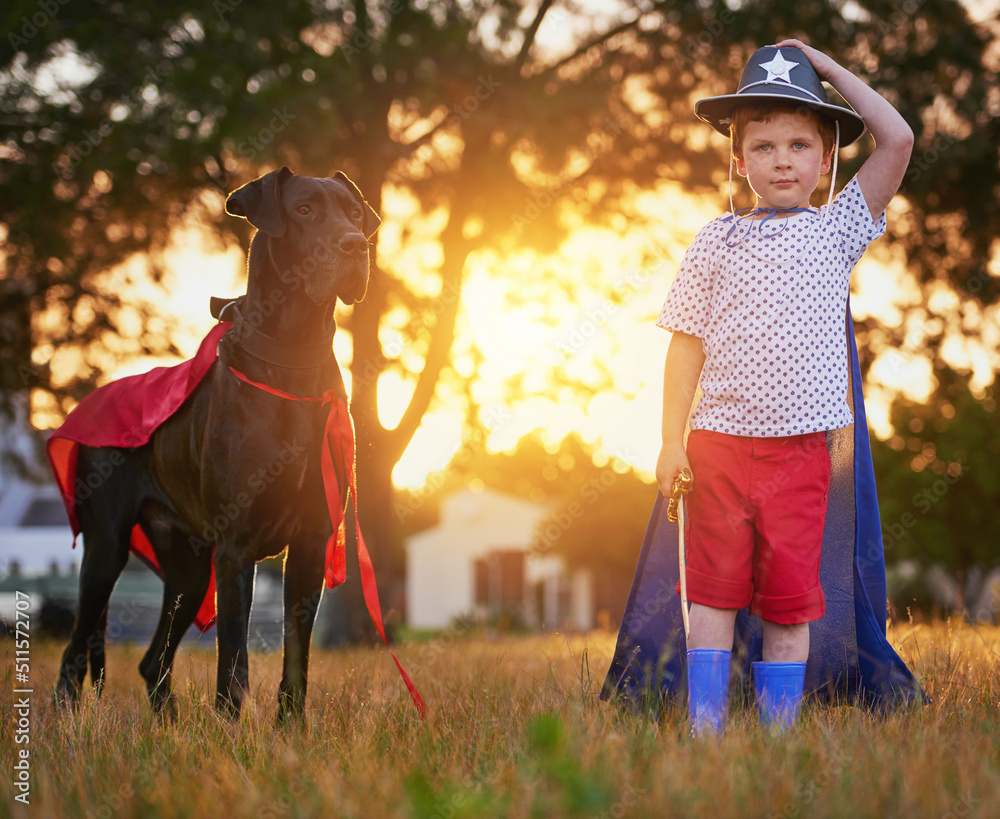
{"points": [[354, 244], [342, 271]]}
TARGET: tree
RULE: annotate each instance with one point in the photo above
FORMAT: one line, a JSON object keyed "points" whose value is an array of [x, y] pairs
{"points": [[937, 478], [121, 121]]}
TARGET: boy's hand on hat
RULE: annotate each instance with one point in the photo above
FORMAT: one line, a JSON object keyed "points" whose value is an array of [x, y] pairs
{"points": [[823, 63]]}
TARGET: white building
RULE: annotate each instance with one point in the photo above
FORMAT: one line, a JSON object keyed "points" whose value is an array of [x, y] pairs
{"points": [[478, 562], [35, 537], [36, 542]]}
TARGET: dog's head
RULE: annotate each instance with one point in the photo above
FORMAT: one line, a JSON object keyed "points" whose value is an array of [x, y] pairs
{"points": [[319, 230]]}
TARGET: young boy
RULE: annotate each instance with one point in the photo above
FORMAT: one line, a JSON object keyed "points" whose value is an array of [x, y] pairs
{"points": [[757, 313]]}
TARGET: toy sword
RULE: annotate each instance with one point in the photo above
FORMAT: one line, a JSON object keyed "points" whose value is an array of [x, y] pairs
{"points": [[675, 514]]}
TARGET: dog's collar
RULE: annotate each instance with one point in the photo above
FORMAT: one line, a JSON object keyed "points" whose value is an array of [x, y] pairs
{"points": [[253, 341]]}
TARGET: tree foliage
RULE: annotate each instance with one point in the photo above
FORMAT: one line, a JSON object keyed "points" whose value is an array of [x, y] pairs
{"points": [[938, 481]]}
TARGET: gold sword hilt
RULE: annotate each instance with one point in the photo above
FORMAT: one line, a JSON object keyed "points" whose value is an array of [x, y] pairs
{"points": [[681, 486]]}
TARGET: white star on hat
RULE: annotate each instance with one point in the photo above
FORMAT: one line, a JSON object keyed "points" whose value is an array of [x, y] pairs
{"points": [[778, 68]]}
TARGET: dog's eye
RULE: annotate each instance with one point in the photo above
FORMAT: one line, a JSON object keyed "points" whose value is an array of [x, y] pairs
{"points": [[305, 210]]}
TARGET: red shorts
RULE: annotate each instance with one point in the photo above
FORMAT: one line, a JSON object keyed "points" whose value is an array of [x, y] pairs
{"points": [[755, 519]]}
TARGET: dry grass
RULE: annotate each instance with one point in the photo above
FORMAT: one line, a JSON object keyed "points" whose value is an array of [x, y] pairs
{"points": [[515, 730]]}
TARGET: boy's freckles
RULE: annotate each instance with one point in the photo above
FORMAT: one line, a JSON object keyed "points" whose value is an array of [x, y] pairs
{"points": [[783, 159]]}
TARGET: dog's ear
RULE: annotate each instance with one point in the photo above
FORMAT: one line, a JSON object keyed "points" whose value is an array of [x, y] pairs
{"points": [[371, 220], [259, 202]]}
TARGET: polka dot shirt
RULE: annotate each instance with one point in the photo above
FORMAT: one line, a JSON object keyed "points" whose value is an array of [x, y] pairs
{"points": [[768, 298]]}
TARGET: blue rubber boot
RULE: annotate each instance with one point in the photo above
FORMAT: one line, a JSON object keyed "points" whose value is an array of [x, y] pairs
{"points": [[708, 690], [779, 693]]}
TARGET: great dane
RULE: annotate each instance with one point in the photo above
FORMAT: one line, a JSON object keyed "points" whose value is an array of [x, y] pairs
{"points": [[236, 463]]}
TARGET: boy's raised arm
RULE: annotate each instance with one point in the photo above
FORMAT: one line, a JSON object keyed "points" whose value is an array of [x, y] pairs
{"points": [[881, 174]]}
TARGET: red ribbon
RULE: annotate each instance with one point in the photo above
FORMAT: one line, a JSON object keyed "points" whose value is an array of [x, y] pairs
{"points": [[339, 437]]}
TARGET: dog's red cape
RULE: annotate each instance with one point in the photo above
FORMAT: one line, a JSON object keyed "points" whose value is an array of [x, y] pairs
{"points": [[125, 413]]}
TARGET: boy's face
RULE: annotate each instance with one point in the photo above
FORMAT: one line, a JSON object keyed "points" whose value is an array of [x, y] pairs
{"points": [[783, 159]]}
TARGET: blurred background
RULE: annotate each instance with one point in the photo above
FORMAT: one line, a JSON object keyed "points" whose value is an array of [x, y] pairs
{"points": [[539, 173]]}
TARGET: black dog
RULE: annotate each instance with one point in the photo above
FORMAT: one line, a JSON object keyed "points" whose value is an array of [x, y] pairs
{"points": [[311, 248]]}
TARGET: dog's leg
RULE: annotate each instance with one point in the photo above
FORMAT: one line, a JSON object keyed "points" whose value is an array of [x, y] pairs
{"points": [[87, 638], [303, 589], [105, 522], [184, 585], [97, 653], [234, 575]]}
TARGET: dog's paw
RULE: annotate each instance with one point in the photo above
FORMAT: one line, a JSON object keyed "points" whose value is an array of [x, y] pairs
{"points": [[291, 711], [66, 694], [227, 707], [166, 713]]}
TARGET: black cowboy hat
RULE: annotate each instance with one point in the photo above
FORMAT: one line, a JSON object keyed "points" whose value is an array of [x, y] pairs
{"points": [[780, 74]]}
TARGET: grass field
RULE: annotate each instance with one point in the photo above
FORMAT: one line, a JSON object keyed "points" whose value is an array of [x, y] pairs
{"points": [[515, 729]]}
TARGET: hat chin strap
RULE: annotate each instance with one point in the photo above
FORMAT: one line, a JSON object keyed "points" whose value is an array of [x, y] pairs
{"points": [[732, 160], [833, 175], [836, 152]]}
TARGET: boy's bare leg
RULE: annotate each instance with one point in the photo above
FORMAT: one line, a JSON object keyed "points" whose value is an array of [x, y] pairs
{"points": [[785, 643], [711, 628]]}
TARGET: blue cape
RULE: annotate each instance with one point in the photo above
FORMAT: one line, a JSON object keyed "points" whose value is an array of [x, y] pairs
{"points": [[849, 655]]}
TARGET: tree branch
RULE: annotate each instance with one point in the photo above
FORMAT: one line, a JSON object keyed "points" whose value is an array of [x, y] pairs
{"points": [[529, 35], [603, 38], [407, 149], [442, 337]]}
